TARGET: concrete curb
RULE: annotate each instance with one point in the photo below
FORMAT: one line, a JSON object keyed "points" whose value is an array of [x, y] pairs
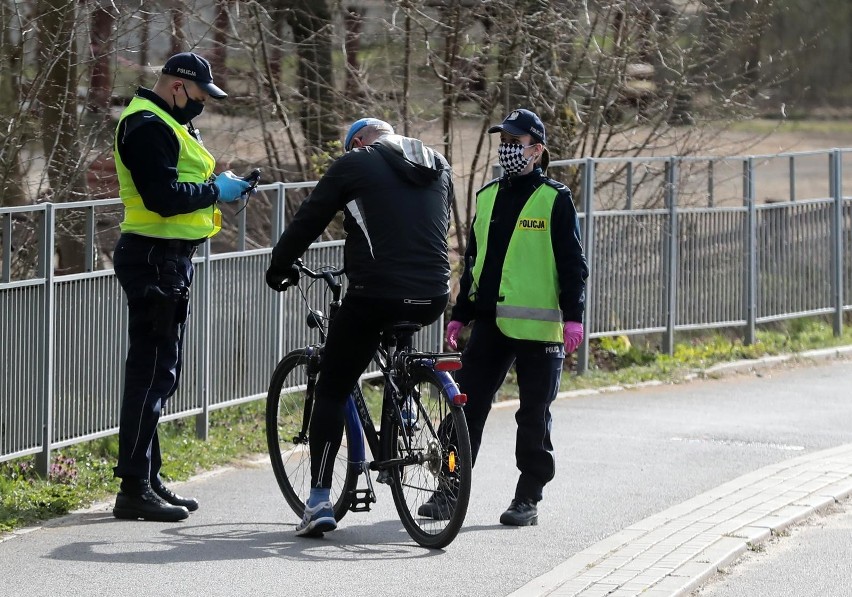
{"points": [[673, 552]]}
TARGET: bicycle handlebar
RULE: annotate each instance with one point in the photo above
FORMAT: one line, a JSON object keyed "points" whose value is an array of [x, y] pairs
{"points": [[328, 276]]}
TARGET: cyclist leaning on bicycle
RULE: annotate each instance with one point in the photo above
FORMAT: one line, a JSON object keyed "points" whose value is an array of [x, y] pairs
{"points": [[395, 194]]}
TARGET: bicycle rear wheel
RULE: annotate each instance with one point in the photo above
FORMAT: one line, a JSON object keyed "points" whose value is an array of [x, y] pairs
{"points": [[288, 416], [436, 442]]}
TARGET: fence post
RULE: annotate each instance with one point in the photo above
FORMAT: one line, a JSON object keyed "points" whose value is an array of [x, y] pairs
{"points": [[278, 216], [48, 248], [670, 258], [589, 243], [711, 184], [629, 184], [202, 419], [836, 171], [792, 173], [750, 251]]}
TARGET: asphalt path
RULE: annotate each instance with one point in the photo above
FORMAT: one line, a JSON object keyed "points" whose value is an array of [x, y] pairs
{"points": [[622, 456]]}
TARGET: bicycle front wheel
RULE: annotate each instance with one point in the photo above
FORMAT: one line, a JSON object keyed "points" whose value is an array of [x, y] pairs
{"points": [[289, 406], [431, 492]]}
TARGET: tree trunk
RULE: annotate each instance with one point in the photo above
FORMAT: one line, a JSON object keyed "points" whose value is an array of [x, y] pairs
{"points": [[12, 131], [310, 21], [353, 19], [59, 124], [100, 84], [178, 35], [219, 55], [144, 35]]}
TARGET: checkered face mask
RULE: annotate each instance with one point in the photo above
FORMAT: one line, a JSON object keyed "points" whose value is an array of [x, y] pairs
{"points": [[511, 157]]}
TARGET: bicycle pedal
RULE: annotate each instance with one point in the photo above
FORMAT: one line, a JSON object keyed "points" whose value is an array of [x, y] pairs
{"points": [[361, 500]]}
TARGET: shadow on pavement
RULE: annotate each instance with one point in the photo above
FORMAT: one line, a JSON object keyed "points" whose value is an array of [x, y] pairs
{"points": [[175, 543]]}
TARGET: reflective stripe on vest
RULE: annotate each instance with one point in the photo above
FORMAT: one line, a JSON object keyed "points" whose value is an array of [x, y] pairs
{"points": [[529, 313], [195, 164], [529, 282]]}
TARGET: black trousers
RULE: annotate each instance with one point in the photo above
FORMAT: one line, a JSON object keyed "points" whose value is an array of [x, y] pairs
{"points": [[156, 275], [353, 338], [485, 362]]}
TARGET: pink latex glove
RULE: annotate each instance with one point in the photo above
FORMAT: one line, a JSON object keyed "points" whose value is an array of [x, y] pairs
{"points": [[453, 329], [572, 332]]}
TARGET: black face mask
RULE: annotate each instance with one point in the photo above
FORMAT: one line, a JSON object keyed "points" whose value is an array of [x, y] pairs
{"points": [[191, 110]]}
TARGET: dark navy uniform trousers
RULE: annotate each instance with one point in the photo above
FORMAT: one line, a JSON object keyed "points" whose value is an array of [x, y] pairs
{"points": [[538, 365], [156, 275]]}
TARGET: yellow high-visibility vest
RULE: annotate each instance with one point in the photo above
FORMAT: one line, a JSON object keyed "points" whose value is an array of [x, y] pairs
{"points": [[195, 164], [529, 282]]}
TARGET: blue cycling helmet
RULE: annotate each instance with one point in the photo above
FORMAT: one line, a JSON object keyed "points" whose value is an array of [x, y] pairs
{"points": [[359, 124]]}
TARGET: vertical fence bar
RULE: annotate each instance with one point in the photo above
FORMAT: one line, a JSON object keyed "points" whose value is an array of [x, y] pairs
{"points": [[750, 297], [89, 243], [589, 244], [6, 274], [629, 184], [202, 420], [792, 178], [837, 240], [279, 210], [670, 269], [48, 331], [241, 225], [711, 184]]}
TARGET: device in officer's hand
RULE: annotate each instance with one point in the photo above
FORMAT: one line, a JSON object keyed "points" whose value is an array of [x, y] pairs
{"points": [[253, 178]]}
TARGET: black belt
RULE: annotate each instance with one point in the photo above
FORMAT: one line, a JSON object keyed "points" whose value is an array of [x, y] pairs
{"points": [[178, 245]]}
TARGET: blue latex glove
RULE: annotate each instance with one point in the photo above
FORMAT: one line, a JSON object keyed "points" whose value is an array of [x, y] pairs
{"points": [[230, 186]]}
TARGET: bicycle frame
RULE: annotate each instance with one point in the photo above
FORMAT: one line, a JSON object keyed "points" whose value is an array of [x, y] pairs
{"points": [[358, 417], [392, 362]]}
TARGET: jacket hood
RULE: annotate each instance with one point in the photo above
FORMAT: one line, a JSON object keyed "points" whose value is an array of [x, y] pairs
{"points": [[415, 162]]}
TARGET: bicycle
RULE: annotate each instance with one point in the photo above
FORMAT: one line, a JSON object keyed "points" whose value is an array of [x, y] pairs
{"points": [[421, 449]]}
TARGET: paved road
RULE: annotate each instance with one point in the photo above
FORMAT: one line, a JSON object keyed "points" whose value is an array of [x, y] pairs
{"points": [[629, 463]]}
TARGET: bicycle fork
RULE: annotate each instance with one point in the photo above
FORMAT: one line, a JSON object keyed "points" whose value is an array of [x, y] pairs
{"points": [[359, 499]]}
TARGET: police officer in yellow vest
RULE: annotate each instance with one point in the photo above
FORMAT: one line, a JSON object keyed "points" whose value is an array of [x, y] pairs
{"points": [[523, 289], [169, 193]]}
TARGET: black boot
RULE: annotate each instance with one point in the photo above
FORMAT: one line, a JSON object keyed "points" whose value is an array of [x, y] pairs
{"points": [[522, 512], [145, 504], [172, 498]]}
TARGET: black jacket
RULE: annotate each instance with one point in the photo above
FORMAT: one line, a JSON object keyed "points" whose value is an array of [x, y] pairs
{"points": [[571, 266], [395, 196]]}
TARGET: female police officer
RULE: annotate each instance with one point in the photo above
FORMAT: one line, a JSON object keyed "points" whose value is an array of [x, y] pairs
{"points": [[523, 289]]}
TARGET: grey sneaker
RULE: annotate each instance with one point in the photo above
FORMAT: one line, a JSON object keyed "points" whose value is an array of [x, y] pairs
{"points": [[317, 520], [439, 506], [521, 513]]}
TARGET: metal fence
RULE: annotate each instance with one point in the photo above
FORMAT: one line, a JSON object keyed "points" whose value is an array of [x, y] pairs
{"points": [[672, 243]]}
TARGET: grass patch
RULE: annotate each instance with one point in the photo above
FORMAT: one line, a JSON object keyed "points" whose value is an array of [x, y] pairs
{"points": [[82, 474], [765, 126]]}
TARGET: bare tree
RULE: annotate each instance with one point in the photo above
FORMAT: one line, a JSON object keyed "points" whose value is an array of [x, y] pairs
{"points": [[609, 78]]}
